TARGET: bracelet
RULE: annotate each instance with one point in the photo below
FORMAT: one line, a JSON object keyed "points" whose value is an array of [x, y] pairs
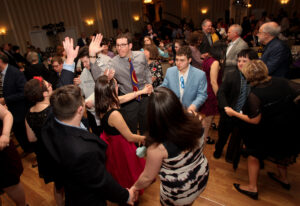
{"points": [[92, 56]]}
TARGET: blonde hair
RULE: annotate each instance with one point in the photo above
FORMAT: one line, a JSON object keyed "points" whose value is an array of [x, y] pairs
{"points": [[256, 72]]}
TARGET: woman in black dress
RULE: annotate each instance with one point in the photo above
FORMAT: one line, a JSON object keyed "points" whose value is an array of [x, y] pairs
{"points": [[272, 113], [38, 91]]}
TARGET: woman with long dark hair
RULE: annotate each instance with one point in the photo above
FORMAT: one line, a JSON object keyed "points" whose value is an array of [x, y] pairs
{"points": [[121, 160], [175, 150], [212, 66]]}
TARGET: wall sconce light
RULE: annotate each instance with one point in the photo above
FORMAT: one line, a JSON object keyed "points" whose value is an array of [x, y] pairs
{"points": [[147, 1], [204, 10], [284, 1], [89, 22], [136, 17], [249, 5], [2, 31]]}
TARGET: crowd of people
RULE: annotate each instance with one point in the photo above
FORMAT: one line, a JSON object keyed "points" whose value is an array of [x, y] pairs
{"points": [[90, 111]]}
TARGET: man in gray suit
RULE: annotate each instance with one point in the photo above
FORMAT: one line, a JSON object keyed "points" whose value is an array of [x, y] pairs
{"points": [[236, 45]]}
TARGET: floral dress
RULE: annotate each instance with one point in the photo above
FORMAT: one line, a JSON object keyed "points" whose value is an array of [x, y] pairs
{"points": [[156, 71]]}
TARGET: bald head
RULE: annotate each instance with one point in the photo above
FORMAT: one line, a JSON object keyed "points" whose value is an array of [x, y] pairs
{"points": [[268, 31], [271, 28]]}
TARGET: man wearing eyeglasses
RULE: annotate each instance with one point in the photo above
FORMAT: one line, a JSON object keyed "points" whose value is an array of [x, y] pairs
{"points": [[276, 53], [132, 74], [186, 81]]}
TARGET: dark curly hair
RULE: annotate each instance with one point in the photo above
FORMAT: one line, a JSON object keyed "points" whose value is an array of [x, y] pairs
{"points": [[34, 90]]}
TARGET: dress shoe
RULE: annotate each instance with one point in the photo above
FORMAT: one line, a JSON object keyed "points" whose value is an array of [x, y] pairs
{"points": [[253, 195], [217, 155], [284, 185], [214, 126], [210, 140]]}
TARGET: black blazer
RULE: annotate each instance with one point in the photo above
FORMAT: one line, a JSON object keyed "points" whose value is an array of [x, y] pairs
{"points": [[78, 163], [229, 90], [13, 92], [80, 42], [204, 46]]}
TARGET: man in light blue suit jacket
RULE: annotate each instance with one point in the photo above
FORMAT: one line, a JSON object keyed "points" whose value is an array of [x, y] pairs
{"points": [[187, 82]]}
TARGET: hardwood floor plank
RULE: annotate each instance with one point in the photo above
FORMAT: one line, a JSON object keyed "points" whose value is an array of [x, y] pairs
{"points": [[219, 191]]}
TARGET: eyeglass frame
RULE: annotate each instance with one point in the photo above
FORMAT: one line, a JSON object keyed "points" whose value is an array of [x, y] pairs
{"points": [[121, 45]]}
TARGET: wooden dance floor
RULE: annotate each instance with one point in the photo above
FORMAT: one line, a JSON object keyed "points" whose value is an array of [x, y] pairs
{"points": [[219, 191]]}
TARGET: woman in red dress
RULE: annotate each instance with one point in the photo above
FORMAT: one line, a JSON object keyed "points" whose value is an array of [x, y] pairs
{"points": [[121, 160], [212, 66]]}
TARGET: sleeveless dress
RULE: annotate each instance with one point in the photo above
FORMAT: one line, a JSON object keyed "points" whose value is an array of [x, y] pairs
{"points": [[276, 137], [36, 121], [121, 160], [183, 175], [210, 106]]}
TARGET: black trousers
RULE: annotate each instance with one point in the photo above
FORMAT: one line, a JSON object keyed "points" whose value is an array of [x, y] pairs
{"points": [[229, 125], [134, 113]]}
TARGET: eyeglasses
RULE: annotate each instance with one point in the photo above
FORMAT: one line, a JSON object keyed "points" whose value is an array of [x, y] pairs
{"points": [[53, 65], [182, 82], [121, 45]]}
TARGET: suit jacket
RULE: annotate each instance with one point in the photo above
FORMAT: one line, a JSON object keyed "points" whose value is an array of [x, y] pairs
{"points": [[229, 90], [277, 56], [13, 92], [80, 42], [204, 46], [231, 57], [77, 159], [195, 91]]}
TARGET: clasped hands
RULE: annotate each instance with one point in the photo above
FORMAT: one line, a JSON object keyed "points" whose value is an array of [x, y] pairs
{"points": [[133, 195]]}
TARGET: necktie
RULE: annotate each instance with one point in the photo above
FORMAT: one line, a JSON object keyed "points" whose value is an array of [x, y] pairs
{"points": [[133, 78], [243, 94], [182, 82], [209, 39], [1, 85]]}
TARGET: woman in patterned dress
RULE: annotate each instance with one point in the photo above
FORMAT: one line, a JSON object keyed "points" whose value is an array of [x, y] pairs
{"points": [[175, 151], [154, 66]]}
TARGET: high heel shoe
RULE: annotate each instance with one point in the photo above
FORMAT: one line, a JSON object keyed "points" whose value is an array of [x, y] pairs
{"points": [[253, 195], [284, 185]]}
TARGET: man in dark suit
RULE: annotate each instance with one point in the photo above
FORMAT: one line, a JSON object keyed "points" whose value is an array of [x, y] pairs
{"points": [[77, 157], [207, 42], [82, 41], [12, 95], [232, 93], [276, 54]]}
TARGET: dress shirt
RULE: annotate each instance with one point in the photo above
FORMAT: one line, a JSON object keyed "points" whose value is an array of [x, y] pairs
{"points": [[185, 75], [122, 69], [3, 74]]}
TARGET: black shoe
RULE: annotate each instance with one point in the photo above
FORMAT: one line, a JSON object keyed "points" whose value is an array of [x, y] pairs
{"points": [[217, 155], [284, 185], [253, 195], [210, 140], [229, 160], [214, 126]]}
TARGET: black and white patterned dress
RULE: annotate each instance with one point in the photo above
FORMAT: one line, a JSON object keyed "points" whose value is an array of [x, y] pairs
{"points": [[183, 175]]}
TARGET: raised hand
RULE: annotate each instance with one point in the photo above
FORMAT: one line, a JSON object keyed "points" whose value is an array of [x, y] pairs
{"points": [[94, 47], [70, 51], [110, 73]]}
